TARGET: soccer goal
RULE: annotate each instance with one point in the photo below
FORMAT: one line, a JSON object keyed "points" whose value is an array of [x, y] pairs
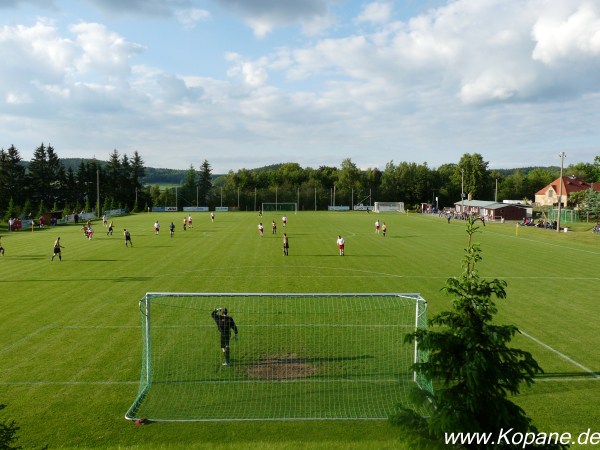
{"points": [[298, 357], [388, 206], [289, 206]]}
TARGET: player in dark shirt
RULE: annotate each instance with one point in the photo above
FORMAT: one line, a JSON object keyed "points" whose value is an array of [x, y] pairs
{"points": [[225, 324]]}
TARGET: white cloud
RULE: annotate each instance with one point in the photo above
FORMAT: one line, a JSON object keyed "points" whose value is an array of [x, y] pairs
{"points": [[164, 8], [251, 73], [262, 16], [102, 51], [571, 36], [189, 18], [496, 76], [378, 12], [14, 98]]}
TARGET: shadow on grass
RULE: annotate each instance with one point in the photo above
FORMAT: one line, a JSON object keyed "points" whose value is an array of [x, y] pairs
{"points": [[30, 257], [80, 279], [557, 375]]}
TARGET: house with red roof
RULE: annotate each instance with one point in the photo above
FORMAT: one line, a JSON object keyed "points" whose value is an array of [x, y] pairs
{"points": [[549, 195]]}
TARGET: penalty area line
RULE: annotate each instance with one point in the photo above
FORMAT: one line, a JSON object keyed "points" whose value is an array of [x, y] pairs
{"points": [[562, 355]]}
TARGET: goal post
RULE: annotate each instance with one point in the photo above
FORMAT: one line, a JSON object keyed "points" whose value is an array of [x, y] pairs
{"points": [[285, 206], [388, 207], [298, 357]]}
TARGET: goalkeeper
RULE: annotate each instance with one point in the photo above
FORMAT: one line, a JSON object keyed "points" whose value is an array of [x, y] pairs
{"points": [[225, 324]]}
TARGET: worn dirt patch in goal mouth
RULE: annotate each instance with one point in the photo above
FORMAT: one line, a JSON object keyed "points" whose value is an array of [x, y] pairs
{"points": [[280, 367]]}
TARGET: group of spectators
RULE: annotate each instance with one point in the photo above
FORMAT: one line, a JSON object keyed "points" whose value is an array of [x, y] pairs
{"points": [[540, 223]]}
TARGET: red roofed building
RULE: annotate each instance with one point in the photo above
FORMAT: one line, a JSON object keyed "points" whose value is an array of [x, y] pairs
{"points": [[549, 194]]}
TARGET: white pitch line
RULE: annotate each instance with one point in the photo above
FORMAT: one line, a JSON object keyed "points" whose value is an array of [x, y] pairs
{"points": [[64, 327], [24, 338], [65, 383], [562, 355]]}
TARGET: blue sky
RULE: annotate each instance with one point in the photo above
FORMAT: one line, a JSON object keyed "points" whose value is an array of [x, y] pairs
{"points": [[246, 83]]}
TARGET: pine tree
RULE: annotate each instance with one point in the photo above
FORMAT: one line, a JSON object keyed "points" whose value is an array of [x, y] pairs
{"points": [[8, 433], [204, 183], [12, 177], [470, 357]]}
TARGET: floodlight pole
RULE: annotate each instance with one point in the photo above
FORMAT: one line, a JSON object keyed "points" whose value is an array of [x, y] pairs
{"points": [[98, 191], [496, 194], [561, 155]]}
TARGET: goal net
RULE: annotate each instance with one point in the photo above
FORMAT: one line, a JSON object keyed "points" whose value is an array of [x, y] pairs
{"points": [[290, 207], [299, 356], [388, 206]]}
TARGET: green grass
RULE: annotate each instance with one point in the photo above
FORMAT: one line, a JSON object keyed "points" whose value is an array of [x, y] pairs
{"points": [[70, 340]]}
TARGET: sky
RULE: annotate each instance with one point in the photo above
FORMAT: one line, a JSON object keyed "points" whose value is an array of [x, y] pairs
{"points": [[249, 83]]}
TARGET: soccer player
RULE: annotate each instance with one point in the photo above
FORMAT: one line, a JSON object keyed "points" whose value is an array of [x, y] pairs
{"points": [[383, 229], [286, 244], [184, 223], [1, 249], [127, 235], [212, 216], [224, 324], [110, 228], [261, 229], [377, 225], [190, 221], [56, 250], [340, 244], [172, 229], [273, 227], [156, 227], [284, 221]]}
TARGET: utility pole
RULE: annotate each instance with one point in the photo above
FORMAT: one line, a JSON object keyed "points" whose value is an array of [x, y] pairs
{"points": [[561, 155], [462, 191]]}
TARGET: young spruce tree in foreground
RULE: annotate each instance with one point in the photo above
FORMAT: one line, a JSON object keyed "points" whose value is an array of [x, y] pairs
{"points": [[470, 359]]}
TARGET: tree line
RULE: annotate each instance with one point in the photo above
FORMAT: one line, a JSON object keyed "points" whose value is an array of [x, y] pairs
{"points": [[409, 182], [44, 184]]}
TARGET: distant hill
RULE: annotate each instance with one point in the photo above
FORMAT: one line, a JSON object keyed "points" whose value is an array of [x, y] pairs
{"points": [[153, 175]]}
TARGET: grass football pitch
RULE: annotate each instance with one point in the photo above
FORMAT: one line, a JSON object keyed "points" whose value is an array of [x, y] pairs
{"points": [[70, 334]]}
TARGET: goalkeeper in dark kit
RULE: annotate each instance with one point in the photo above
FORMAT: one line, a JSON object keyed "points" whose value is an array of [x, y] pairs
{"points": [[225, 324]]}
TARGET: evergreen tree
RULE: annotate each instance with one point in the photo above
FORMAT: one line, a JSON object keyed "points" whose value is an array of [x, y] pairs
{"points": [[138, 171], [189, 190], [11, 209], [8, 433], [12, 177], [114, 175], [204, 183], [126, 187], [39, 175], [470, 357]]}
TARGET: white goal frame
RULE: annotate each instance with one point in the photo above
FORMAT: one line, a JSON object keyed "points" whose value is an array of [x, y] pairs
{"points": [[388, 207], [277, 207], [368, 306]]}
